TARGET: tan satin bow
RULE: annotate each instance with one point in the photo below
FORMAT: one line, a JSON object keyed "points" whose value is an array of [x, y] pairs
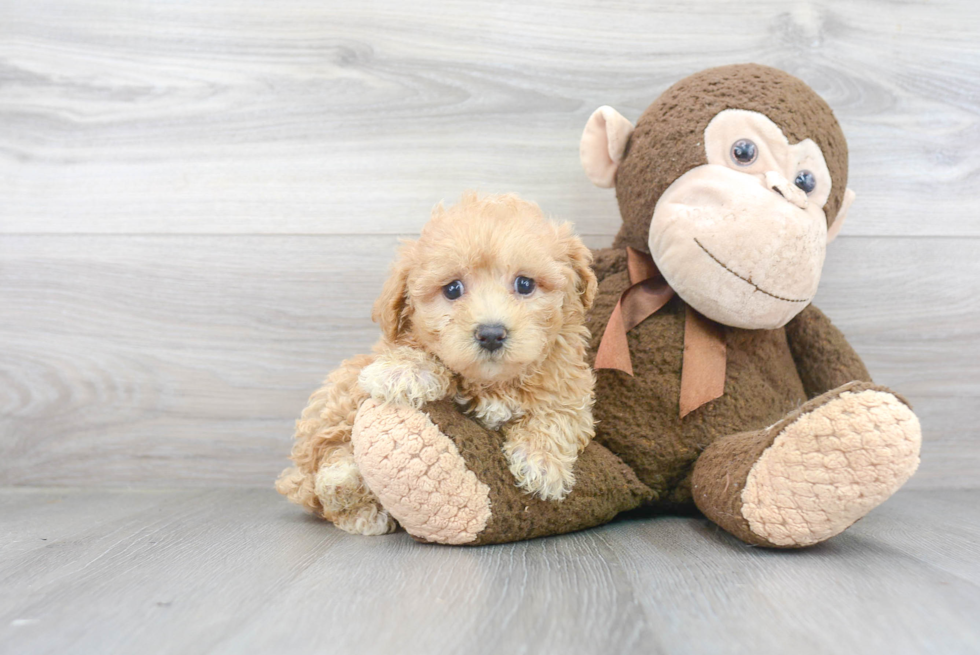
{"points": [[703, 369]]}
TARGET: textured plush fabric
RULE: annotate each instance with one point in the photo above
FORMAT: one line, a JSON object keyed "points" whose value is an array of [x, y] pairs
{"points": [[604, 485], [668, 139], [417, 474], [823, 358], [830, 467], [812, 474], [638, 417]]}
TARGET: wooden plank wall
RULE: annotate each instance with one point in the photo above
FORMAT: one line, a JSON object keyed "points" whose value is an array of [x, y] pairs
{"points": [[198, 201]]}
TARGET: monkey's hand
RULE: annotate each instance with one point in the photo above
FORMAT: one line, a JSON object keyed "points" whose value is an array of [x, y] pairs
{"points": [[406, 376]]}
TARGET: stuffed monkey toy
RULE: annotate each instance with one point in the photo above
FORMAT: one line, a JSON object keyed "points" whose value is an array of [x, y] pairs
{"points": [[719, 385]]}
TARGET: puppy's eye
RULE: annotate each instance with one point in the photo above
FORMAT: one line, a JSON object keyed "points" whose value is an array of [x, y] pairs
{"points": [[744, 152], [453, 290], [523, 285]]}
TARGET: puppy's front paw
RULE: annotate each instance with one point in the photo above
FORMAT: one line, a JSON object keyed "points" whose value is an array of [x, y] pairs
{"points": [[539, 472], [404, 382]]}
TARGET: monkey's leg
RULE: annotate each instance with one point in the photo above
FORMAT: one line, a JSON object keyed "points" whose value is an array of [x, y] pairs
{"points": [[814, 473], [446, 479]]}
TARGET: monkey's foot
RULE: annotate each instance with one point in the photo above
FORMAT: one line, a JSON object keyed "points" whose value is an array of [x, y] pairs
{"points": [[813, 474], [419, 475], [445, 478]]}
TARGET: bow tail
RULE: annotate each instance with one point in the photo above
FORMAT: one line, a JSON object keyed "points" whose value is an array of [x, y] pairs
{"points": [[614, 350], [705, 362]]}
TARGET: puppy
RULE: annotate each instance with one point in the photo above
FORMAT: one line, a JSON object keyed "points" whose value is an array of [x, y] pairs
{"points": [[487, 307]]}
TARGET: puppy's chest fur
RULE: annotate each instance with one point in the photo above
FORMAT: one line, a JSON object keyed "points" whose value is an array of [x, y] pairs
{"points": [[492, 408]]}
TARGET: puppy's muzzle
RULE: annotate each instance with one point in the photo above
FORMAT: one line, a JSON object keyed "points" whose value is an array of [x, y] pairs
{"points": [[491, 337]]}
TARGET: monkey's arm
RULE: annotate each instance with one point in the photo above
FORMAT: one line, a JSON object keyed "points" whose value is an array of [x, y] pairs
{"points": [[607, 261], [822, 355]]}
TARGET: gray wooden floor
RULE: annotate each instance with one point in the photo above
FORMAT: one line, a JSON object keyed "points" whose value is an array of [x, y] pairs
{"points": [[240, 571]]}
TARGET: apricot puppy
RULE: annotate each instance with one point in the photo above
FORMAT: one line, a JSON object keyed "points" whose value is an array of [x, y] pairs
{"points": [[487, 307]]}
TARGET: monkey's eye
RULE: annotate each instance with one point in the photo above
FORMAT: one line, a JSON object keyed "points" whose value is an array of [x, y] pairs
{"points": [[453, 290], [524, 285], [806, 181], [744, 152]]}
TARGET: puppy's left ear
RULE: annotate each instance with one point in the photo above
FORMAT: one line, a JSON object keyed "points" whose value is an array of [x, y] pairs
{"points": [[391, 310], [580, 259]]}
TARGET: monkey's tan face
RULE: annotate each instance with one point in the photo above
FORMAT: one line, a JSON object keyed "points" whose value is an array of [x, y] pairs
{"points": [[742, 239]]}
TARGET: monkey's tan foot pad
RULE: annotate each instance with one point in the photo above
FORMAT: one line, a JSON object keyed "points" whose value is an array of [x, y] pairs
{"points": [[419, 475], [814, 473], [831, 466], [446, 479]]}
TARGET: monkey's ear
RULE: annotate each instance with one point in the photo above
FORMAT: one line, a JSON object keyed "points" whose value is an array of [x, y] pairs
{"points": [[391, 309], [603, 144], [838, 223]]}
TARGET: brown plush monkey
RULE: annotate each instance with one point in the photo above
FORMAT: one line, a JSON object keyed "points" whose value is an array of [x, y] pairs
{"points": [[733, 393]]}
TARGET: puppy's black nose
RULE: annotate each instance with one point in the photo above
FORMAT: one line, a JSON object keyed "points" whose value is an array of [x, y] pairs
{"points": [[491, 337]]}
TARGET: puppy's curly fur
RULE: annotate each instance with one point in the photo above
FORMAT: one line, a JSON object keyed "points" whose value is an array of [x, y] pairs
{"points": [[535, 385]]}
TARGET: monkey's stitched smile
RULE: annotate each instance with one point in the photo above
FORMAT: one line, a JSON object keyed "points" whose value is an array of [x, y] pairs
{"points": [[747, 281]]}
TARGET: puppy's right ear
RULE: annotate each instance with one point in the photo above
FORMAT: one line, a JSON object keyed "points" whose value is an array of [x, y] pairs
{"points": [[603, 145], [391, 310]]}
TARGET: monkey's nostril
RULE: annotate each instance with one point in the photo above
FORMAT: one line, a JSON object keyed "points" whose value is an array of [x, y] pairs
{"points": [[787, 191], [491, 337]]}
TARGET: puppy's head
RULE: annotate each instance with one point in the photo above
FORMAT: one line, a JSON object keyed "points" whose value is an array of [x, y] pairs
{"points": [[488, 287]]}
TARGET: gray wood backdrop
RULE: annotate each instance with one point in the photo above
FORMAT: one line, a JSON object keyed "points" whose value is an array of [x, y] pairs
{"points": [[199, 200]]}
